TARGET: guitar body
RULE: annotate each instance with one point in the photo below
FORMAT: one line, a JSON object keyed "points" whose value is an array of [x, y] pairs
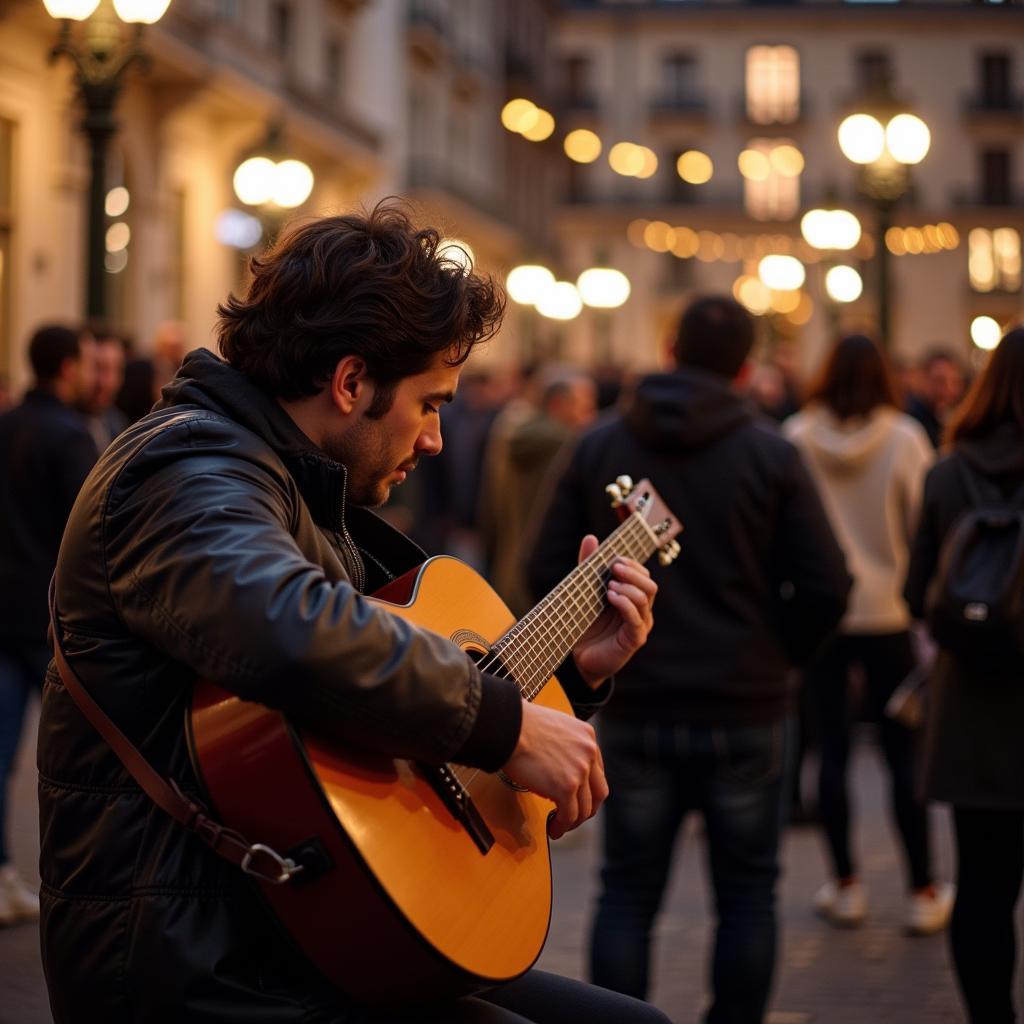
{"points": [[396, 903]]}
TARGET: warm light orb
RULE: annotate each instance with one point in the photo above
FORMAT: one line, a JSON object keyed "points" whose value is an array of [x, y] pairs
{"points": [[650, 162], [560, 301], [781, 273], [141, 12], [862, 138], [457, 251], [843, 284], [787, 160], [528, 282], [117, 201], [985, 333], [603, 287], [582, 145], [254, 180], [118, 236], [752, 294], [293, 182], [695, 167], [908, 138], [74, 10], [830, 229], [754, 165], [540, 128], [627, 159], [517, 114]]}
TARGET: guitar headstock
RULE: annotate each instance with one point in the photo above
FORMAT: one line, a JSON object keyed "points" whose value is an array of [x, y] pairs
{"points": [[643, 499]]}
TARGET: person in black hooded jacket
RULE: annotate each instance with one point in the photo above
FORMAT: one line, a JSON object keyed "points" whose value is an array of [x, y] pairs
{"points": [[701, 717], [228, 535], [974, 757]]}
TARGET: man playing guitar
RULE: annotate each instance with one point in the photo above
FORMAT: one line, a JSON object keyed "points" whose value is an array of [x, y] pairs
{"points": [[228, 535]]}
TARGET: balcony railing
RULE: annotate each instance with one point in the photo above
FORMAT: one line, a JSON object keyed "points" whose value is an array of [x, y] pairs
{"points": [[1010, 105], [679, 106], [1003, 196]]}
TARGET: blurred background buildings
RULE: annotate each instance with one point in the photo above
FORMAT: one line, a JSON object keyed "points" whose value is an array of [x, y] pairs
{"points": [[729, 111]]}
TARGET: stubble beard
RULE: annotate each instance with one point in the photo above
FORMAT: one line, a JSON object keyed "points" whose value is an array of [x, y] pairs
{"points": [[363, 452]]}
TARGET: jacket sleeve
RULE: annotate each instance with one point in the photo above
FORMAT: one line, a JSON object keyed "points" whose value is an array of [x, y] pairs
{"points": [[201, 564], [814, 584]]}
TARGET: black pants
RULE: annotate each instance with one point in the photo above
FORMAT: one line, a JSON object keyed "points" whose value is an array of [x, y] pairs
{"points": [[990, 854], [885, 659], [536, 998]]}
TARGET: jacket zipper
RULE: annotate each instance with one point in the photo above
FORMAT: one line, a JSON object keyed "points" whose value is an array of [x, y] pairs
{"points": [[358, 569]]}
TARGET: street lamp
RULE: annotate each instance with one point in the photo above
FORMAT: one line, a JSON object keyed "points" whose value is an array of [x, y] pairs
{"points": [[100, 58], [603, 289], [269, 180], [831, 230], [884, 140]]}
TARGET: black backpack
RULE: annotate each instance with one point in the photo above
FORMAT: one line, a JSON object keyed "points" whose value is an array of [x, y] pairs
{"points": [[975, 602]]}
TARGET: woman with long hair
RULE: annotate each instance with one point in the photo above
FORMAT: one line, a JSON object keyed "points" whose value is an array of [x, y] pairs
{"points": [[869, 460], [974, 754]]}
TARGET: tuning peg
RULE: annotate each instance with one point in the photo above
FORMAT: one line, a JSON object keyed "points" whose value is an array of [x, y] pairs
{"points": [[615, 491], [669, 552], [625, 483]]}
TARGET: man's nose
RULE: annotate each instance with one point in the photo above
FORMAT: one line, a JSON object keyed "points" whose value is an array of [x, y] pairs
{"points": [[429, 442]]}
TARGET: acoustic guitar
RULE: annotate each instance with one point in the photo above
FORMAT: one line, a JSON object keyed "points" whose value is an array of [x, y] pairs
{"points": [[403, 882]]}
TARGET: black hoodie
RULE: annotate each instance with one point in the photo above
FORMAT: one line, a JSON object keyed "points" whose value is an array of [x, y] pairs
{"points": [[760, 579]]}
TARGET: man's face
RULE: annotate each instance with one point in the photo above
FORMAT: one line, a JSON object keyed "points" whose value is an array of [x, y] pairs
{"points": [[380, 452], [108, 373], [945, 384]]}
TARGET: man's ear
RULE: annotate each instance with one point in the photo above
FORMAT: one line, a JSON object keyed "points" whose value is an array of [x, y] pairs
{"points": [[741, 382], [348, 383]]}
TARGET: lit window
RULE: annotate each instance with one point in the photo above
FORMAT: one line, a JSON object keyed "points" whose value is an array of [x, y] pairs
{"points": [[771, 178], [994, 259], [773, 84]]}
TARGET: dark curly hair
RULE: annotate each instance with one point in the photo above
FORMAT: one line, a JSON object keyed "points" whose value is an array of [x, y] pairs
{"points": [[370, 284]]}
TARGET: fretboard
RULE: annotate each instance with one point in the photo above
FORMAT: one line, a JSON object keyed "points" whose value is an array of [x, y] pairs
{"points": [[539, 642]]}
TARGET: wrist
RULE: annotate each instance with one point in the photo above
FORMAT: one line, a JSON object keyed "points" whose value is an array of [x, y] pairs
{"points": [[592, 680]]}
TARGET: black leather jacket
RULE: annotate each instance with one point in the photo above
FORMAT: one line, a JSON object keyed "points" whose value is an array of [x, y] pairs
{"points": [[213, 538]]}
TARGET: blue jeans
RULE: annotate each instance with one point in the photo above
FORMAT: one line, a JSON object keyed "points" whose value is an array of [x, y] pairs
{"points": [[736, 777], [21, 673]]}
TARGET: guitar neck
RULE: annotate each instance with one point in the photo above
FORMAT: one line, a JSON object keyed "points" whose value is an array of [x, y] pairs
{"points": [[539, 642]]}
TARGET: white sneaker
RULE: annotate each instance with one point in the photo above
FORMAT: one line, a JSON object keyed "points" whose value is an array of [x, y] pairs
{"points": [[927, 913], [17, 901], [844, 906]]}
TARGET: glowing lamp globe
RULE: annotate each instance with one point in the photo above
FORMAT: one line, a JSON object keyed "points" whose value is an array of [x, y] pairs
{"points": [[862, 138], [560, 301], [781, 273], [603, 287], [527, 283], [141, 12], [908, 138], [254, 180], [72, 10], [293, 182]]}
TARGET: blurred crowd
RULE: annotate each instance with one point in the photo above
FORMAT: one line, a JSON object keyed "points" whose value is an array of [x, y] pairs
{"points": [[815, 515]]}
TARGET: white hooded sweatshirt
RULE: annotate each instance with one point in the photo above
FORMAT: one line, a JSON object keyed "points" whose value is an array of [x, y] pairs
{"points": [[870, 471]]}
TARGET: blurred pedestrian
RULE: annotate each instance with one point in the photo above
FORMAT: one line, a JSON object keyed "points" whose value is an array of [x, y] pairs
{"points": [[974, 757], [103, 418], [515, 469], [45, 454], [701, 720], [869, 460], [940, 388]]}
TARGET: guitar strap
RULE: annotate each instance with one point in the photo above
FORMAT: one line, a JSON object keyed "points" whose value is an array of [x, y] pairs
{"points": [[253, 858]]}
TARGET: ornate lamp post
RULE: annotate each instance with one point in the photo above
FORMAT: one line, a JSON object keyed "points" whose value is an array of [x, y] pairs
{"points": [[272, 182], [101, 56], [884, 140]]}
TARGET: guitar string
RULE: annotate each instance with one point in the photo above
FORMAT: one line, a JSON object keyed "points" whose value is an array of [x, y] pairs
{"points": [[548, 640]]}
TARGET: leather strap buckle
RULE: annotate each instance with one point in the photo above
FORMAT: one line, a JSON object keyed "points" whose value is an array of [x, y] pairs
{"points": [[285, 867]]}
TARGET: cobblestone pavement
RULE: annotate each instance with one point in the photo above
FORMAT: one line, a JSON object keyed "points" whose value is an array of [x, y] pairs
{"points": [[873, 975]]}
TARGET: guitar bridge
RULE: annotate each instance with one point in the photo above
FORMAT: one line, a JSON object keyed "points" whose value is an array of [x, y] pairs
{"points": [[456, 798]]}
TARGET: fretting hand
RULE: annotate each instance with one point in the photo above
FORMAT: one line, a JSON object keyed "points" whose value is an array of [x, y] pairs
{"points": [[622, 628]]}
